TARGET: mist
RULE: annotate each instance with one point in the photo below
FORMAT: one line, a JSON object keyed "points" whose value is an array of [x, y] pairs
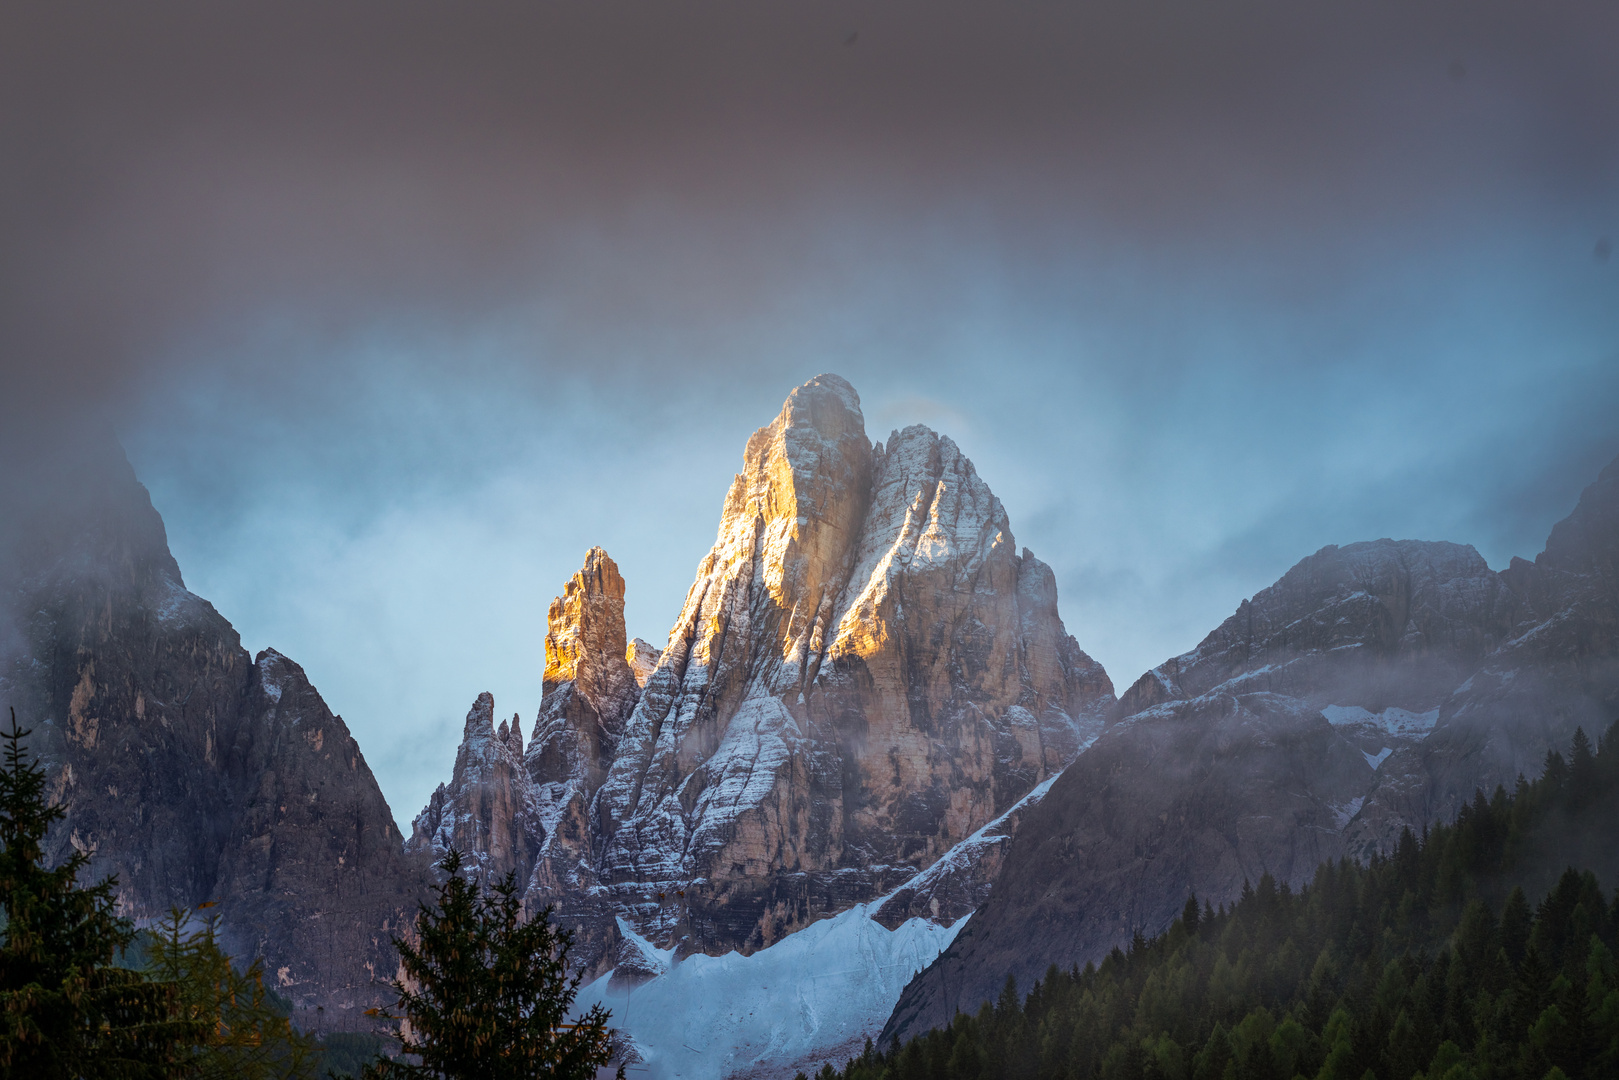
{"points": [[398, 309]]}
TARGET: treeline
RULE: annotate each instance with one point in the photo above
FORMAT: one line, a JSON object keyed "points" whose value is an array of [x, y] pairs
{"points": [[1428, 963]]}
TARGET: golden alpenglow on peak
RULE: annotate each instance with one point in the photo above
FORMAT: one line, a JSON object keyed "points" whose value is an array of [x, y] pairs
{"points": [[864, 673], [587, 621]]}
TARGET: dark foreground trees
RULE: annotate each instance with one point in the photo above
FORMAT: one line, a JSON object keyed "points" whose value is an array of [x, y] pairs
{"points": [[486, 994], [85, 996], [67, 1010], [1462, 955], [240, 1032]]}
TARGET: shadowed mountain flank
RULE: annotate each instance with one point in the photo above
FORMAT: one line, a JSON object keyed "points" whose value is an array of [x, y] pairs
{"points": [[190, 770], [1373, 687]]}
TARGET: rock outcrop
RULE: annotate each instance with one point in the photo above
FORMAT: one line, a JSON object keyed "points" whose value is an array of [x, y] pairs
{"points": [[191, 771], [643, 659], [485, 809], [865, 672], [1373, 688], [590, 688]]}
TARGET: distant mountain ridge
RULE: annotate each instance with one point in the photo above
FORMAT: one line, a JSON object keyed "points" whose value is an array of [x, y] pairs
{"points": [[1372, 688]]}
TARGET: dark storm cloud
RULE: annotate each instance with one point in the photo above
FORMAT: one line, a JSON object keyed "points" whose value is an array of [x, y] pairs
{"points": [[172, 166], [400, 306]]}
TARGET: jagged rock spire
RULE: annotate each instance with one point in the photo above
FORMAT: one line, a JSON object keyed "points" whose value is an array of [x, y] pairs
{"points": [[484, 810], [585, 638], [589, 685], [527, 812]]}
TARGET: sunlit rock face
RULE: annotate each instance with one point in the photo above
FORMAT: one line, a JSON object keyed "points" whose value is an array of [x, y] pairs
{"points": [[528, 812], [865, 671], [590, 689], [190, 770], [642, 657], [1373, 688]]}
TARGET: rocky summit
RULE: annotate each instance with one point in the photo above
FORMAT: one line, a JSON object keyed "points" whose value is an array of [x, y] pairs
{"points": [[194, 773], [866, 673], [1375, 687]]}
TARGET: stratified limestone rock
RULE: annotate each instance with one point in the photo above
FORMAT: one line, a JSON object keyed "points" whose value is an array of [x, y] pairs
{"points": [[960, 880], [528, 812], [643, 659], [188, 770], [1379, 623], [864, 673], [310, 874], [712, 770], [584, 643], [590, 689], [1208, 794], [1556, 670]]}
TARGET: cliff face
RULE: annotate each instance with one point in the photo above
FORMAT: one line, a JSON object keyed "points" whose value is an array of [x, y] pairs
{"points": [[864, 673], [311, 872], [484, 810], [590, 689], [1373, 688], [190, 771], [1380, 623], [1556, 669]]}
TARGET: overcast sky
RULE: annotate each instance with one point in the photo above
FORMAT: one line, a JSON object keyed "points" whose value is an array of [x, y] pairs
{"points": [[398, 308]]}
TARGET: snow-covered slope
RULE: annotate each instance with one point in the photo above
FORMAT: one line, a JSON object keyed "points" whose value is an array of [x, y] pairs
{"points": [[815, 996]]}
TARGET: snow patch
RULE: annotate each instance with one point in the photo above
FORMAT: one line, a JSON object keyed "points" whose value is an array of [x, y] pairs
{"points": [[1374, 760], [270, 679], [177, 602], [1343, 813], [962, 855], [813, 997], [1398, 722], [809, 997]]}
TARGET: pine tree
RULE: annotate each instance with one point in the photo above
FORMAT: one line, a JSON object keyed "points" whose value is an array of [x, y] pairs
{"points": [[1582, 770], [1190, 914], [1373, 969], [486, 995], [67, 1011], [245, 1036]]}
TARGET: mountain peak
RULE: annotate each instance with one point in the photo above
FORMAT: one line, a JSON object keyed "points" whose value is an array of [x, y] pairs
{"points": [[585, 636], [1587, 541], [865, 672], [829, 385]]}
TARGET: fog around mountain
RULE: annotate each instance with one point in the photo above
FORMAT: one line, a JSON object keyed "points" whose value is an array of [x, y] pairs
{"points": [[398, 311]]}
